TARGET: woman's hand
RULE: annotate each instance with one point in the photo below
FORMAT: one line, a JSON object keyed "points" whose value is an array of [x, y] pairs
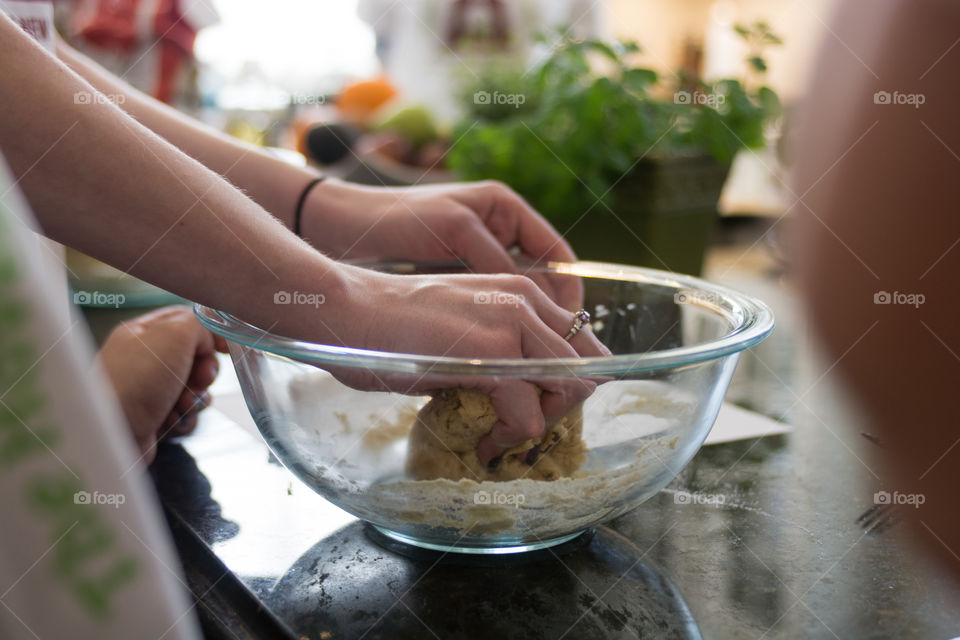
{"points": [[160, 366], [475, 222], [469, 316]]}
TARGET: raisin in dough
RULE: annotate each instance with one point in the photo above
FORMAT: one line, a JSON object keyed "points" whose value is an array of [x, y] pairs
{"points": [[443, 442]]}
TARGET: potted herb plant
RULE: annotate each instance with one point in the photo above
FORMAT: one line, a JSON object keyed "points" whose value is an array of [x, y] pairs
{"points": [[627, 163]]}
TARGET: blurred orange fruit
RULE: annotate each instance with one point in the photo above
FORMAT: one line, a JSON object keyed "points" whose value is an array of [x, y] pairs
{"points": [[360, 100]]}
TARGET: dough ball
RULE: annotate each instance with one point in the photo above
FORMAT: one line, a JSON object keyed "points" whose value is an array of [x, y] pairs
{"points": [[443, 443]]}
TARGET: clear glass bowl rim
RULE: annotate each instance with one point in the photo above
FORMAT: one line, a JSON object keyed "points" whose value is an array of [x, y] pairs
{"points": [[752, 322]]}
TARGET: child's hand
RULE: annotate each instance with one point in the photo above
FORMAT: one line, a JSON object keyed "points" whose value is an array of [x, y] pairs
{"points": [[160, 365]]}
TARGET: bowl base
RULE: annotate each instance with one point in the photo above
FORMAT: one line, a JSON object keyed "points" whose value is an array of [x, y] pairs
{"points": [[400, 543]]}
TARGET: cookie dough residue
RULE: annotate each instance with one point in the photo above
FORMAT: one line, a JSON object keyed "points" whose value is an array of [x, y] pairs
{"points": [[549, 508], [443, 443], [383, 432]]}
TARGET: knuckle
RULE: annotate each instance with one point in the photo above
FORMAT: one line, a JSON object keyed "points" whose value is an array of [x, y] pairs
{"points": [[533, 427], [459, 217], [580, 390], [500, 344], [570, 392], [528, 286], [508, 435], [518, 283], [460, 226], [499, 189]]}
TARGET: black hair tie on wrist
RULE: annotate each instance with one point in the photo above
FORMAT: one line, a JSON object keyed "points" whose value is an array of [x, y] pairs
{"points": [[298, 214]]}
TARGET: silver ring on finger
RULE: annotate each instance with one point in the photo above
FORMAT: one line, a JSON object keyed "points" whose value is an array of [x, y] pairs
{"points": [[580, 319]]}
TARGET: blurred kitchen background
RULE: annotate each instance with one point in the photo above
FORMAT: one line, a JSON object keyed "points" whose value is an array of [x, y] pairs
{"points": [[266, 72], [648, 131]]}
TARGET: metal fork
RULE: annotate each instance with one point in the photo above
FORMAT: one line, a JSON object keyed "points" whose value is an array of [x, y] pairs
{"points": [[879, 517]]}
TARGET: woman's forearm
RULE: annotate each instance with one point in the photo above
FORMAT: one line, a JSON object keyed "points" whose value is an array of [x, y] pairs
{"points": [[242, 164], [103, 183]]}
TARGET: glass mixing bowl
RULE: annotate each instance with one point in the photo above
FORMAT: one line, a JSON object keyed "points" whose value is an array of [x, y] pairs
{"points": [[675, 342]]}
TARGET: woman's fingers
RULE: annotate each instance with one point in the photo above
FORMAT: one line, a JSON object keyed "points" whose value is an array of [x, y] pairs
{"points": [[567, 290], [518, 407], [469, 316], [468, 239], [561, 322], [220, 343], [587, 344], [545, 284], [514, 222], [204, 372], [182, 420], [191, 401], [540, 322], [180, 427], [523, 415]]}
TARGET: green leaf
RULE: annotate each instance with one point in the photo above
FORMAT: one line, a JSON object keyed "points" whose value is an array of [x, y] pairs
{"points": [[602, 48], [757, 63], [742, 31], [638, 78], [769, 101]]}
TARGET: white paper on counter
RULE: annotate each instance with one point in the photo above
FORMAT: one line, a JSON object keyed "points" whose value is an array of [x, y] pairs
{"points": [[736, 423]]}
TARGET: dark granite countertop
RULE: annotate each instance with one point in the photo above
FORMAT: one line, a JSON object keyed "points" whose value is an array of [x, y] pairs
{"points": [[783, 556]]}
